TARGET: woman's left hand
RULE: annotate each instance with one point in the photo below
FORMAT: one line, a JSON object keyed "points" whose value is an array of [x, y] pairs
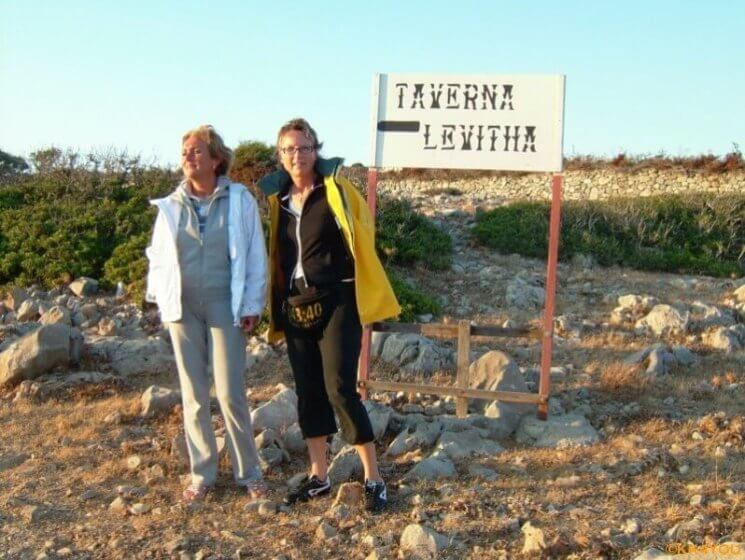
{"points": [[249, 322]]}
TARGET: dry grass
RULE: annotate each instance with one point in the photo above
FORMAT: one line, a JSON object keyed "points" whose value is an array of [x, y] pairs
{"points": [[626, 379]]}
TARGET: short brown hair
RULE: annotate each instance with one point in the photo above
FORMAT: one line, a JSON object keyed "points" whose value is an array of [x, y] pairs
{"points": [[299, 125], [216, 146]]}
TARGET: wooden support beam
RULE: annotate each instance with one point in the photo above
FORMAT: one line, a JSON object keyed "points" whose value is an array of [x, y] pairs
{"points": [[505, 396], [464, 360], [441, 330]]}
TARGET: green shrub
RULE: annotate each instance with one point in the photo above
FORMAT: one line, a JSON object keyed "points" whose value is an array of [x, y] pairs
{"points": [[91, 216], [128, 264], [412, 301], [406, 238], [698, 234]]}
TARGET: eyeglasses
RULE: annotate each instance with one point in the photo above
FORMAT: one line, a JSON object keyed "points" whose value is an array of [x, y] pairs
{"points": [[292, 150]]}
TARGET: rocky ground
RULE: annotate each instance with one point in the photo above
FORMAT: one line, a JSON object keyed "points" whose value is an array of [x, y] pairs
{"points": [[643, 453]]}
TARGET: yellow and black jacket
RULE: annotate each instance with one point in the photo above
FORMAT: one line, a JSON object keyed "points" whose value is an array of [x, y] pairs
{"points": [[375, 298]]}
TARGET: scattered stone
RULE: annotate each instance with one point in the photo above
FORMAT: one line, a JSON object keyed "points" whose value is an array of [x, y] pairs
{"points": [[139, 508], [345, 466], [84, 286], [632, 527], [422, 541], [480, 471], [535, 541], [118, 505], [12, 460], [496, 371], [325, 531], [157, 400], [664, 320], [723, 338], [56, 315], [467, 444], [35, 354], [524, 293], [293, 439], [380, 415], [415, 354], [15, 297], [264, 508], [437, 465], [425, 435], [278, 413], [568, 430], [108, 327], [129, 357], [134, 462], [349, 494], [28, 311]]}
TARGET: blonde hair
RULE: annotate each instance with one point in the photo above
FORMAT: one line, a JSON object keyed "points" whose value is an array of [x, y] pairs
{"points": [[299, 125], [215, 144]]}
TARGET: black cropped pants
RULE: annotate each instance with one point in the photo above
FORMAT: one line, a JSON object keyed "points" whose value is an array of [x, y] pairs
{"points": [[324, 366]]}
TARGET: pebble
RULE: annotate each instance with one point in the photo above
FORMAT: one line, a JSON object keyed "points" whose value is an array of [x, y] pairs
{"points": [[325, 531], [697, 500]]}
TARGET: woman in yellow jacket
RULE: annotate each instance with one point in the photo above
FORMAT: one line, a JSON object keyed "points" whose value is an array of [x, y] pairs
{"points": [[326, 282]]}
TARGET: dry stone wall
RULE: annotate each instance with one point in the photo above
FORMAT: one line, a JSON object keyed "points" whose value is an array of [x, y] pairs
{"points": [[578, 185]]}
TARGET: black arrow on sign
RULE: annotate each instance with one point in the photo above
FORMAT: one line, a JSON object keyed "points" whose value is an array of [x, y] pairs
{"points": [[398, 126]]}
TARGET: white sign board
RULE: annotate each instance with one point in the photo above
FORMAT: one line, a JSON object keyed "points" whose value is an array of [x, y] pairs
{"points": [[509, 122]]}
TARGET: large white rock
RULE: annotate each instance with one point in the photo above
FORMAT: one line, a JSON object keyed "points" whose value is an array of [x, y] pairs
{"points": [[459, 445], [380, 415], [28, 310], [723, 338], [345, 466], [158, 399], [424, 435], [15, 298], [524, 294], [35, 354], [278, 413], [132, 356], [84, 286], [54, 315], [561, 431], [664, 319], [535, 540], [437, 465], [293, 440], [704, 316], [422, 542], [415, 354], [739, 294], [496, 371]]}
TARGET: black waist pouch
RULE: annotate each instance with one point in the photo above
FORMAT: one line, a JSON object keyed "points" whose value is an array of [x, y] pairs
{"points": [[309, 311]]}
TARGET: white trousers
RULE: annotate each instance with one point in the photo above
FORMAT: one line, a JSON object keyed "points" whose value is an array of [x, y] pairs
{"points": [[206, 334]]}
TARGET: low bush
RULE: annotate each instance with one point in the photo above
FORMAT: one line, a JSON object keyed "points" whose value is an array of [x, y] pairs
{"points": [[698, 234], [412, 301], [90, 216], [406, 238]]}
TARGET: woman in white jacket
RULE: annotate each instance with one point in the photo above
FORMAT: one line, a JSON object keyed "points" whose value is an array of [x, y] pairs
{"points": [[208, 276]]}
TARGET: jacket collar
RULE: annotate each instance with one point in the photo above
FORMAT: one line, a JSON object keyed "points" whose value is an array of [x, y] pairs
{"points": [[276, 181]]}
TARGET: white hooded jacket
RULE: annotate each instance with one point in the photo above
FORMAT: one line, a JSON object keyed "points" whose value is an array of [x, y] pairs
{"points": [[245, 245]]}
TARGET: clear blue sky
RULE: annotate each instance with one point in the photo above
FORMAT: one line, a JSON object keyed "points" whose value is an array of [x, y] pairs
{"points": [[642, 76]]}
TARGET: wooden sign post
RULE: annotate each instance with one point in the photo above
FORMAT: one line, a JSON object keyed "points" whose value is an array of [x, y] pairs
{"points": [[499, 122]]}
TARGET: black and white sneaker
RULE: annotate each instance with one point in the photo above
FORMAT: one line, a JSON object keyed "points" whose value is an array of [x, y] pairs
{"points": [[376, 496], [308, 489]]}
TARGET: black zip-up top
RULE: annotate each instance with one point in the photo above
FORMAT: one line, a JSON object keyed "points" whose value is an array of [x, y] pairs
{"points": [[316, 236]]}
